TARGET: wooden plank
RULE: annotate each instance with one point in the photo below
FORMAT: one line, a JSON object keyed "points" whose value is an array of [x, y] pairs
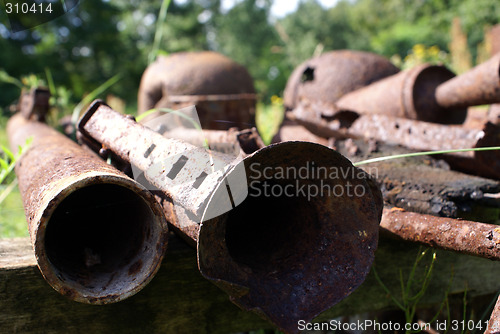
{"points": [[180, 300]]}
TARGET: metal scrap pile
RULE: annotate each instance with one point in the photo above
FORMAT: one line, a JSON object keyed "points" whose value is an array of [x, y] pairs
{"points": [[283, 257]]}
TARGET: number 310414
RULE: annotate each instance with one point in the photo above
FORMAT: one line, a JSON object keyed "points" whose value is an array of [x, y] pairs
{"points": [[26, 8]]}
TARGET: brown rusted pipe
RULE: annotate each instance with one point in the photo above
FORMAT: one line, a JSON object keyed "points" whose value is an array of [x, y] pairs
{"points": [[480, 85], [494, 321], [457, 235], [412, 134], [98, 236], [494, 114], [285, 257], [232, 141], [408, 94]]}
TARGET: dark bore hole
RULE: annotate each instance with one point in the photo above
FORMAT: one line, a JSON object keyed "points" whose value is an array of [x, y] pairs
{"points": [[307, 75], [270, 233], [96, 234]]}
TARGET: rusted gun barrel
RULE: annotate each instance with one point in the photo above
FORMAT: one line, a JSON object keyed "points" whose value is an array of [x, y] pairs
{"points": [[232, 141], [412, 134], [494, 321], [467, 237], [428, 93], [98, 236], [286, 256]]}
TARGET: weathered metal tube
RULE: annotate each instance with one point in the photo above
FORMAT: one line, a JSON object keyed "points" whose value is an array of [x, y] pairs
{"points": [[494, 321], [416, 135], [494, 114], [232, 141], [457, 235], [286, 256], [480, 85], [408, 94], [98, 236]]}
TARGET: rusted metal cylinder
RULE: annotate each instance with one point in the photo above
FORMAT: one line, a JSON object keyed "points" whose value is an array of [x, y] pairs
{"points": [[495, 43], [457, 235], [494, 114], [221, 89], [480, 85], [408, 94], [328, 77], [494, 321], [98, 236], [412, 134], [232, 141], [283, 253]]}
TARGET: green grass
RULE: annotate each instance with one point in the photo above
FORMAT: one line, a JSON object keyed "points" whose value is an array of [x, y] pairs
{"points": [[268, 118], [12, 219]]}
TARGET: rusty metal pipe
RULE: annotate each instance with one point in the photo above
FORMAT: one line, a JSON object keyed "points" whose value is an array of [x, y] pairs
{"points": [[232, 141], [98, 236], [283, 257], [494, 321], [412, 134], [408, 94], [457, 235], [480, 85]]}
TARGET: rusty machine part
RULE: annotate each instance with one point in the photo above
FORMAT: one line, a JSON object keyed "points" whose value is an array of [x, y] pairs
{"points": [[412, 134], [428, 93], [222, 90], [98, 236], [494, 321], [480, 85], [328, 77], [457, 235], [232, 141], [34, 103], [408, 94], [495, 42], [494, 114], [298, 259]]}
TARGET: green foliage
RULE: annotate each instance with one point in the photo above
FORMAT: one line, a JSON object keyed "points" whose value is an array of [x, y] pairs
{"points": [[413, 288]]}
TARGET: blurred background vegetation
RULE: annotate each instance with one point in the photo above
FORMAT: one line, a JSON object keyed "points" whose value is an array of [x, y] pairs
{"points": [[100, 40]]}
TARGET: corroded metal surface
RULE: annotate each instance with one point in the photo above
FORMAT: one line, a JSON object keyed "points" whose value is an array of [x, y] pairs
{"points": [[419, 184], [408, 94], [286, 256], [417, 135], [34, 103], [494, 114], [329, 76], [98, 236], [494, 321], [221, 89], [480, 85], [232, 141], [461, 236]]}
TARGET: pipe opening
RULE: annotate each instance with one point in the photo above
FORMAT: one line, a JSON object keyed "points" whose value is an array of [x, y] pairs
{"points": [[102, 241], [272, 234]]}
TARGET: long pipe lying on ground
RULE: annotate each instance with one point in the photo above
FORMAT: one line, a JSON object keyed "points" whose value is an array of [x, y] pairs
{"points": [[98, 236], [286, 257]]}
